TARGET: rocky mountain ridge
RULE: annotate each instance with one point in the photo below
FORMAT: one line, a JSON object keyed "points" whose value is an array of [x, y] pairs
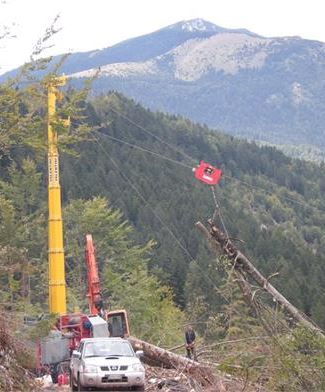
{"points": [[266, 89]]}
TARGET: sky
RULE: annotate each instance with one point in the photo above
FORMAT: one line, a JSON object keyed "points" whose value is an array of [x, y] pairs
{"points": [[96, 24]]}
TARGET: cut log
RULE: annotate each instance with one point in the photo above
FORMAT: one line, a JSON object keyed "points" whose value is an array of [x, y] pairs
{"points": [[200, 372]]}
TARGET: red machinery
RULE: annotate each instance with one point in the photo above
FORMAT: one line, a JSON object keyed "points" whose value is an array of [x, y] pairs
{"points": [[94, 295], [54, 351], [207, 173], [117, 320]]}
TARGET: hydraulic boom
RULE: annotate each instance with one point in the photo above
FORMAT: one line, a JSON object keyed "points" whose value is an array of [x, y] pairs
{"points": [[94, 296], [117, 320]]}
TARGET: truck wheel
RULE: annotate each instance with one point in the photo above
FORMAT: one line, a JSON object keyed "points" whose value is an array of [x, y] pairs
{"points": [[79, 386], [54, 373], [72, 386]]}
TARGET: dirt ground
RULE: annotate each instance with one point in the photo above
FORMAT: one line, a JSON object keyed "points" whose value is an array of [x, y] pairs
{"points": [[170, 380]]}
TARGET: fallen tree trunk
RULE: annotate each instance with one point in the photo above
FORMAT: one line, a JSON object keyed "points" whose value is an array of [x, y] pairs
{"points": [[242, 265], [240, 279], [200, 372]]}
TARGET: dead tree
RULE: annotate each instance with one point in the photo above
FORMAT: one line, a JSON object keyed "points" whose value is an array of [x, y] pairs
{"points": [[242, 266]]}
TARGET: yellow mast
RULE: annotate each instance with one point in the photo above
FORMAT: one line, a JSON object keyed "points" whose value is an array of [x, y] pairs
{"points": [[57, 289]]}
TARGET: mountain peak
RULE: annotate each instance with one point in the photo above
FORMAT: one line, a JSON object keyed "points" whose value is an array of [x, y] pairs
{"points": [[197, 25], [202, 26]]}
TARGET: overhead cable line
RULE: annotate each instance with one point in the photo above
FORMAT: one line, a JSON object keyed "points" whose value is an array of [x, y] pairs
{"points": [[204, 274], [144, 150], [126, 178], [217, 211], [231, 178], [246, 184], [172, 234], [153, 135]]}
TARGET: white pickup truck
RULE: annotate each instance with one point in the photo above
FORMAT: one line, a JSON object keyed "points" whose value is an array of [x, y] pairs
{"points": [[105, 363]]}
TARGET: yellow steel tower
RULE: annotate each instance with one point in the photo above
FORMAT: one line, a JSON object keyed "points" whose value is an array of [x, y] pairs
{"points": [[57, 289]]}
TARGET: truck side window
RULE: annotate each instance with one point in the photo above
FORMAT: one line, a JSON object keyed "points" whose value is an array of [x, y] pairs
{"points": [[81, 346]]}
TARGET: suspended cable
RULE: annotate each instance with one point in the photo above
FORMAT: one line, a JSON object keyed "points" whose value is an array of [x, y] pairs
{"points": [[305, 204], [217, 211], [231, 178], [144, 150], [144, 200], [177, 162], [157, 216], [125, 177], [152, 134]]}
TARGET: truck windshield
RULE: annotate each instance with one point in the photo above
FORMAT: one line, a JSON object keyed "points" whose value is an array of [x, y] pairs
{"points": [[107, 348]]}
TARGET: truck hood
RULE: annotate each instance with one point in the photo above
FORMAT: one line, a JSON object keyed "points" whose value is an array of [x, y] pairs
{"points": [[111, 361]]}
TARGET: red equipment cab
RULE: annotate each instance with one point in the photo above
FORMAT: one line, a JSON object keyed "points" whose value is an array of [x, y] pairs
{"points": [[207, 173]]}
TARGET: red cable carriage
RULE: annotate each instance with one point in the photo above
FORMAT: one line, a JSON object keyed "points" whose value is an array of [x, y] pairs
{"points": [[207, 173]]}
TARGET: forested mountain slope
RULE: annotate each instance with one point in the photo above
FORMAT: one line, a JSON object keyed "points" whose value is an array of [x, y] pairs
{"points": [[272, 203]]}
